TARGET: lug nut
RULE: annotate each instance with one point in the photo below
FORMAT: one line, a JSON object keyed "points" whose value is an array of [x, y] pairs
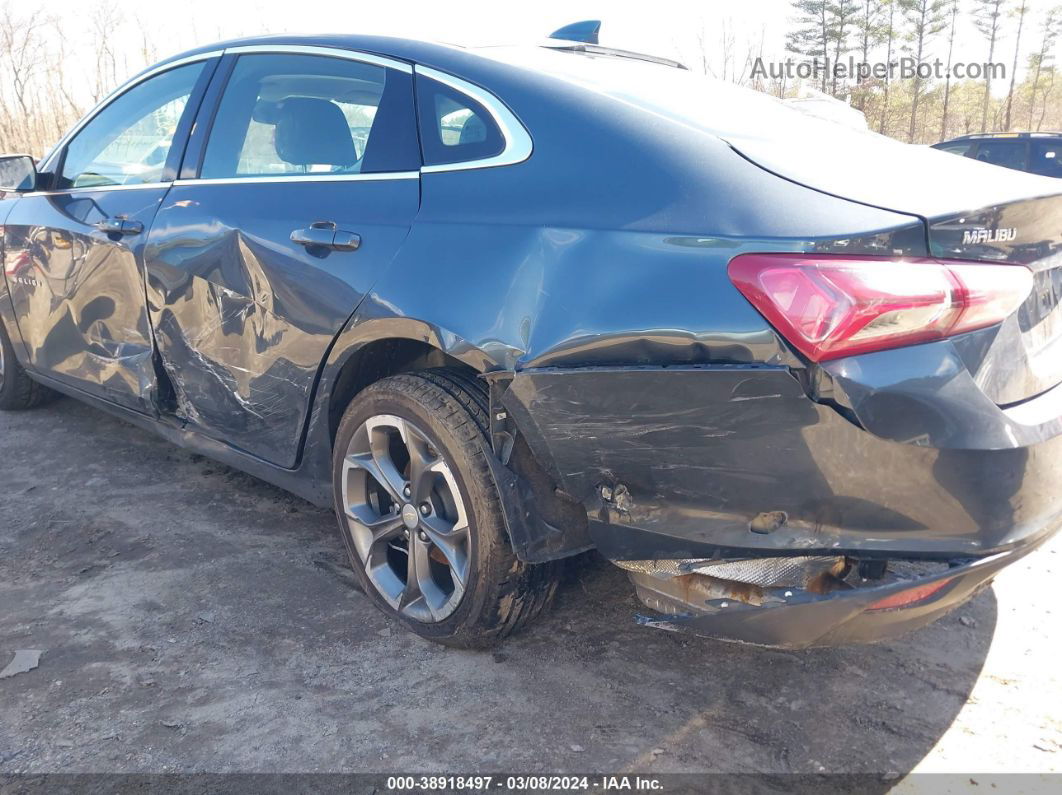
{"points": [[408, 490], [422, 535], [405, 534], [425, 508]]}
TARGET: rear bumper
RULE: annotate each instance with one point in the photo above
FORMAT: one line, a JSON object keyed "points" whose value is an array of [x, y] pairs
{"points": [[805, 619], [737, 462]]}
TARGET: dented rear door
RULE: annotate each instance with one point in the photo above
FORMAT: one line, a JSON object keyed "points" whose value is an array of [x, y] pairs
{"points": [[306, 188]]}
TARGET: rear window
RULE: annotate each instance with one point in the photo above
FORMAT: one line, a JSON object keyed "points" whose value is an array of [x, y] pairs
{"points": [[1046, 158], [454, 128], [1009, 154]]}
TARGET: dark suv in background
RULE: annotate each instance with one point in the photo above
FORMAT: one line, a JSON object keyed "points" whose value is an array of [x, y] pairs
{"points": [[1038, 153]]}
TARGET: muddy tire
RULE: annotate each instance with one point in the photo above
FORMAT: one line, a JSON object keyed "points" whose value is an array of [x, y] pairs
{"points": [[419, 512], [17, 390]]}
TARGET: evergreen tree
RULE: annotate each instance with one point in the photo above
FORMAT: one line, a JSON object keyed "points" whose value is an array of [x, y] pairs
{"points": [[926, 18], [953, 17], [987, 20], [870, 32], [811, 36]]}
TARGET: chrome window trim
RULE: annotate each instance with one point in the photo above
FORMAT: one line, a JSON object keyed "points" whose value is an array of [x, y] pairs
{"points": [[329, 52], [126, 86], [518, 144], [97, 189], [383, 175]]}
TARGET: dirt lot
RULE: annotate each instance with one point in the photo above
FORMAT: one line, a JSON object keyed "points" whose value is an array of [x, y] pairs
{"points": [[195, 619]]}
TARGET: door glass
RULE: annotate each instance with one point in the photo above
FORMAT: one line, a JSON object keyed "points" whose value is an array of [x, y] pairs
{"points": [[291, 115], [454, 128], [128, 142], [1009, 154], [1047, 158]]}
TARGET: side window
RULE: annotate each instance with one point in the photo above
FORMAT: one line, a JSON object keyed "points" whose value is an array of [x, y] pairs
{"points": [[454, 128], [1047, 158], [1009, 154], [128, 142], [957, 148], [293, 115]]}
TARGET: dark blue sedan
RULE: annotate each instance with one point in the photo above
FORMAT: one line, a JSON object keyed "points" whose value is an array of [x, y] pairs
{"points": [[503, 306]]}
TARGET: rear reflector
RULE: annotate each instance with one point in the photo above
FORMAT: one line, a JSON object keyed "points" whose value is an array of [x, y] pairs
{"points": [[829, 306], [909, 597]]}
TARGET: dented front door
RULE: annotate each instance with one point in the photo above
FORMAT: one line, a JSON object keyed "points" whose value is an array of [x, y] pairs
{"points": [[74, 253], [78, 292]]}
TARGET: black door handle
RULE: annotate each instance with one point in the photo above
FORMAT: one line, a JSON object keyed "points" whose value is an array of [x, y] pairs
{"points": [[119, 226], [323, 234]]}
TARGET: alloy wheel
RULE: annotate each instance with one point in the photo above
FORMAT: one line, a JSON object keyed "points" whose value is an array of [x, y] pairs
{"points": [[406, 517]]}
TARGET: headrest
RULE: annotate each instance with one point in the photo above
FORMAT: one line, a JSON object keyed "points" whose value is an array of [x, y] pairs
{"points": [[313, 132]]}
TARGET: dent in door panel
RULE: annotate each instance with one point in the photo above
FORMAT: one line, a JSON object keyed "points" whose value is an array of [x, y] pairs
{"points": [[78, 294], [238, 365], [243, 317]]}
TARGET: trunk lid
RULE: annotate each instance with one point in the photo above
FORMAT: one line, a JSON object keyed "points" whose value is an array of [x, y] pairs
{"points": [[1025, 359]]}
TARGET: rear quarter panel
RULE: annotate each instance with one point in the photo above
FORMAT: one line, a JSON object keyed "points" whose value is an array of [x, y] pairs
{"points": [[610, 243]]}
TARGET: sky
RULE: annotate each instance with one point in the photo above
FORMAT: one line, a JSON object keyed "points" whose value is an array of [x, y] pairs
{"points": [[670, 28], [655, 26]]}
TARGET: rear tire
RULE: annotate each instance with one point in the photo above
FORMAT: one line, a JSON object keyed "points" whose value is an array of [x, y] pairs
{"points": [[17, 390], [410, 472]]}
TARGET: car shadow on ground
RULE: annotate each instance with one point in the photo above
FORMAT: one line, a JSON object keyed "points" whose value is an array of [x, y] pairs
{"points": [[197, 619]]}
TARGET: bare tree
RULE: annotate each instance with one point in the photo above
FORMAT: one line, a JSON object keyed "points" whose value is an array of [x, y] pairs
{"points": [[1048, 89], [105, 20], [1041, 60], [21, 63], [1020, 14], [890, 37]]}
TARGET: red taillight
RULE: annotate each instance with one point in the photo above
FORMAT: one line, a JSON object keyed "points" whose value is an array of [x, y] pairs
{"points": [[909, 597], [830, 306]]}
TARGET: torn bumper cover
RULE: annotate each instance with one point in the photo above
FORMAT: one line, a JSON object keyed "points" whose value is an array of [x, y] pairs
{"points": [[832, 605], [768, 517]]}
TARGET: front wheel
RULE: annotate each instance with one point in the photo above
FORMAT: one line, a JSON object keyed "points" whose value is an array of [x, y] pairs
{"points": [[17, 390], [419, 512]]}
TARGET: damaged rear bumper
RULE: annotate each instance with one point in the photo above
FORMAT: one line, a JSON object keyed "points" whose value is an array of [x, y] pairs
{"points": [[798, 618], [714, 464]]}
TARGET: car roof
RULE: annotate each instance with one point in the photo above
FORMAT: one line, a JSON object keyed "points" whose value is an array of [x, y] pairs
{"points": [[388, 46], [1001, 136]]}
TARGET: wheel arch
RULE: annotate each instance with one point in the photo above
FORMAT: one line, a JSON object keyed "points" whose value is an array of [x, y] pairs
{"points": [[542, 523], [374, 360]]}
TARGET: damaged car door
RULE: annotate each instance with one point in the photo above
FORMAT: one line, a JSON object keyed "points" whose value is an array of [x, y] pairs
{"points": [[294, 197], [74, 250]]}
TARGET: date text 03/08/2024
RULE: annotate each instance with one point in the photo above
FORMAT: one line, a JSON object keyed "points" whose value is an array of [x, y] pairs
{"points": [[533, 783]]}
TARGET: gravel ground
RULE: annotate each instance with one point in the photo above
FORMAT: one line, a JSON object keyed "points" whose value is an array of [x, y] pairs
{"points": [[195, 619]]}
